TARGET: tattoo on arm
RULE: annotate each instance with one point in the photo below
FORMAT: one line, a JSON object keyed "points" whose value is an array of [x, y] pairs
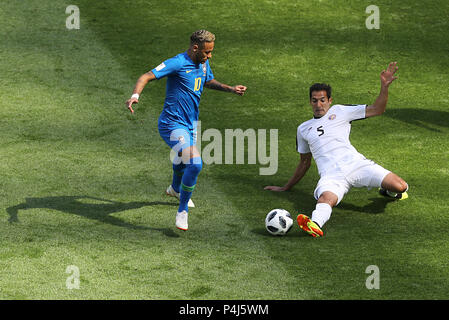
{"points": [[214, 84]]}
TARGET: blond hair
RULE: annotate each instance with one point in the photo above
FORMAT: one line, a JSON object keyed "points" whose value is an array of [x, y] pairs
{"points": [[201, 36]]}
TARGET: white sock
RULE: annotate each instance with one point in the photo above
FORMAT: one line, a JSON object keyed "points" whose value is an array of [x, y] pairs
{"points": [[321, 214]]}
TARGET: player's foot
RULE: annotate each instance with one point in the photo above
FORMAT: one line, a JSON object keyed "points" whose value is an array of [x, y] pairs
{"points": [[172, 193], [309, 226], [393, 195], [181, 220]]}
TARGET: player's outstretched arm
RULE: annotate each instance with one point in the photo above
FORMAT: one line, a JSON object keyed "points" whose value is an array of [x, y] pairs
{"points": [[214, 84], [301, 169], [386, 78], [141, 83]]}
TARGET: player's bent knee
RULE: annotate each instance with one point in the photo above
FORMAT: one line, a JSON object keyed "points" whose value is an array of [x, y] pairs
{"points": [[394, 183], [404, 186], [328, 197], [400, 185], [190, 153]]}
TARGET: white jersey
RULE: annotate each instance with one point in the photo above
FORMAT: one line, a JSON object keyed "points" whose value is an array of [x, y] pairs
{"points": [[327, 138]]}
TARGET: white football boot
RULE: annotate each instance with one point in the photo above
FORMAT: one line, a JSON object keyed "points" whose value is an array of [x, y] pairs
{"points": [[181, 220], [172, 193]]}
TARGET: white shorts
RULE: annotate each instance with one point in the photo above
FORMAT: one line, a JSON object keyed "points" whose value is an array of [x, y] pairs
{"points": [[370, 176]]}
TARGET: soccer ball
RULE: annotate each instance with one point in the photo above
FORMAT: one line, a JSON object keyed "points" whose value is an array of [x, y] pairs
{"points": [[278, 222]]}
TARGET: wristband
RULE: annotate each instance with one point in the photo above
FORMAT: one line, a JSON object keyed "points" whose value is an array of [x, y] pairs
{"points": [[135, 95]]}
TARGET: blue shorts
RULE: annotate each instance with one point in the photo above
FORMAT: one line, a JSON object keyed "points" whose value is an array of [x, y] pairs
{"points": [[178, 137]]}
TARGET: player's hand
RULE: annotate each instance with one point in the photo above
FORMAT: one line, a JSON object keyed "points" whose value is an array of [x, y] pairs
{"points": [[275, 188], [239, 89], [387, 76], [130, 103]]}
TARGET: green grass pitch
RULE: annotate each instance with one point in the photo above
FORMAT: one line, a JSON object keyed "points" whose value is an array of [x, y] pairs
{"points": [[82, 181]]}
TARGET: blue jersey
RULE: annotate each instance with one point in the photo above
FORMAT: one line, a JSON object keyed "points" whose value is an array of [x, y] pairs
{"points": [[185, 83]]}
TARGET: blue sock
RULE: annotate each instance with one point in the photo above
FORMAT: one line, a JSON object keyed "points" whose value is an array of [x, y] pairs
{"points": [[178, 172], [188, 182]]}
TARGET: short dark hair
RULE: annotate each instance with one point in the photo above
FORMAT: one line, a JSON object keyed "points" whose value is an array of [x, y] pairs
{"points": [[320, 87]]}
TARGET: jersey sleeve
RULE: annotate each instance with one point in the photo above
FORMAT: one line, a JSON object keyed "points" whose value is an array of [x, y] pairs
{"points": [[353, 112], [301, 144], [166, 68], [209, 74]]}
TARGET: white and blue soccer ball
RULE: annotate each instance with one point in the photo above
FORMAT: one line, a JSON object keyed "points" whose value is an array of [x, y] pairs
{"points": [[278, 222]]}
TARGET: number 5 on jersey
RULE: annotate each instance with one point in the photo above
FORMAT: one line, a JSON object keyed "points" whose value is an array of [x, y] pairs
{"points": [[320, 130], [197, 84]]}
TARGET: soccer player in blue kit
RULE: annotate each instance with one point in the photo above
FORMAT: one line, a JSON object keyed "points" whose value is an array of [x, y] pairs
{"points": [[187, 74]]}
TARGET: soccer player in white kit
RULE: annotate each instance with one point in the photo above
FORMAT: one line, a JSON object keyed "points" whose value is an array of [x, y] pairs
{"points": [[340, 165]]}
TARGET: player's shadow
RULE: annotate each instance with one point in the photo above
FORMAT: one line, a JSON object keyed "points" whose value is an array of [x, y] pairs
{"points": [[376, 206], [90, 208], [431, 120]]}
